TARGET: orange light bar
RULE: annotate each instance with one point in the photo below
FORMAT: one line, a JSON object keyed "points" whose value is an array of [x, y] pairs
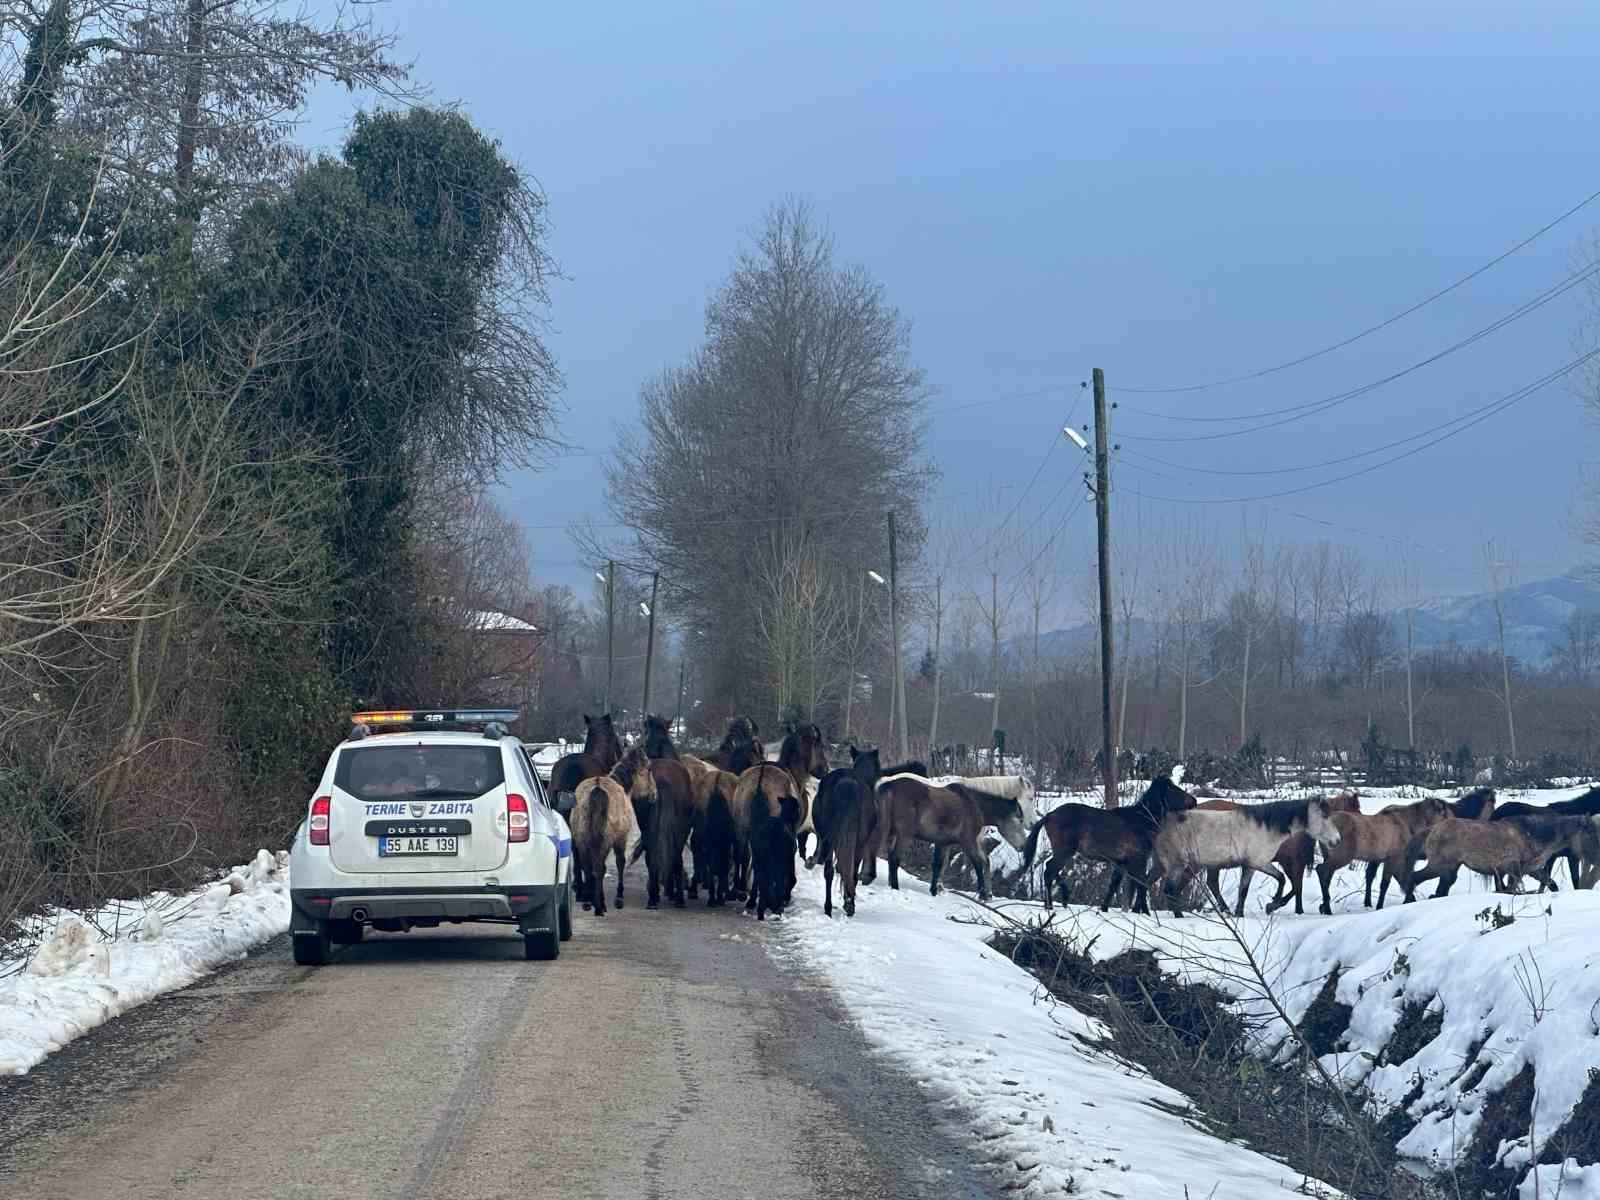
{"points": [[380, 718]]}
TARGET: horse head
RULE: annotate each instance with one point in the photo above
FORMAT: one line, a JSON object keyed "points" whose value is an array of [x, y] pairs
{"points": [[1319, 822], [864, 764], [1163, 797], [657, 738]]}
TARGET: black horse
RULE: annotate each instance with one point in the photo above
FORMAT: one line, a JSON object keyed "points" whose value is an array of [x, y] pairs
{"points": [[846, 818], [1586, 805]]}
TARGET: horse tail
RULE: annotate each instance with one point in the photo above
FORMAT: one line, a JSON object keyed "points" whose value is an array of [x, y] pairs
{"points": [[1031, 846], [789, 811], [595, 817]]}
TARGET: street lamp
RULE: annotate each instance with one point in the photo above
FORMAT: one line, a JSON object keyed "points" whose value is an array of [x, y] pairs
{"points": [[874, 576], [644, 609], [1076, 438]]}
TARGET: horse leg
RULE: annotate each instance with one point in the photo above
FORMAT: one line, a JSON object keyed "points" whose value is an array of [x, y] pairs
{"points": [[621, 855], [1283, 884], [1324, 874], [1051, 870], [1111, 891], [1366, 901], [827, 885], [1138, 884], [937, 870], [801, 841], [980, 866], [1244, 892], [847, 850], [892, 844], [1213, 882]]}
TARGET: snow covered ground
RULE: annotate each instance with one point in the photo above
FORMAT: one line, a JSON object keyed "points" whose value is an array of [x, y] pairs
{"points": [[1006, 1060], [1510, 981], [80, 978]]}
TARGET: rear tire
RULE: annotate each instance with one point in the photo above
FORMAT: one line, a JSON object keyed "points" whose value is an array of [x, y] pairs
{"points": [[541, 947], [345, 933], [564, 917], [544, 945], [311, 949]]}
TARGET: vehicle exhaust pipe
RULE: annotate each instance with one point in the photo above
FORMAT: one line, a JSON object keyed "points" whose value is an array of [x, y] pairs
{"points": [[358, 914]]}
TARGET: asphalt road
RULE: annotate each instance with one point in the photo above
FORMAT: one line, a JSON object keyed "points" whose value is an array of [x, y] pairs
{"points": [[664, 1055]]}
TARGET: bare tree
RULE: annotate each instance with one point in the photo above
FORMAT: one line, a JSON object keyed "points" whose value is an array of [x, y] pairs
{"points": [[1191, 607], [804, 376], [1501, 570]]}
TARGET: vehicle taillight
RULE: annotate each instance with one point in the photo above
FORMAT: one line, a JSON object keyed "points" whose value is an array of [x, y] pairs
{"points": [[321, 807], [516, 818]]}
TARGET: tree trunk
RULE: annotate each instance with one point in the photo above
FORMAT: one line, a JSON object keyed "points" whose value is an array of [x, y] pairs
{"points": [[189, 125], [994, 654], [1183, 706], [1411, 726], [1244, 689]]}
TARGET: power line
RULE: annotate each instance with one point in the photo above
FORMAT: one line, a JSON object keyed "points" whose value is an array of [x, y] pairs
{"points": [[1462, 423], [1371, 329], [1314, 407]]}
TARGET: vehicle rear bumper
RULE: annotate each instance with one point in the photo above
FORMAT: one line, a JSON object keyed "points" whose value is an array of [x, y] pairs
{"points": [[450, 904]]}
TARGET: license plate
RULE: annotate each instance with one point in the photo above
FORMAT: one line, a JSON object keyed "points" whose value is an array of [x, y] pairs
{"points": [[395, 847]]}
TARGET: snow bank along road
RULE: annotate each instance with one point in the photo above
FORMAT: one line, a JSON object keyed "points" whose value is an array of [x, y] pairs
{"points": [[664, 1055]]}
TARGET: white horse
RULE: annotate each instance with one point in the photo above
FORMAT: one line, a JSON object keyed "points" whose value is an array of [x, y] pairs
{"points": [[1248, 836]]}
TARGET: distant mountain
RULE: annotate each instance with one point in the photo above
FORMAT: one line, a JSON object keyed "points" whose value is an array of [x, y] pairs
{"points": [[1536, 619]]}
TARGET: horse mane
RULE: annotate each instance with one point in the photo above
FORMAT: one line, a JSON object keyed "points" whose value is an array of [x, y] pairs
{"points": [[911, 766], [1470, 807], [1277, 815], [985, 799], [1157, 798]]}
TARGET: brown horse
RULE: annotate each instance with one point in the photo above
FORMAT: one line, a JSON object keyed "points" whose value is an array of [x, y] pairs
{"points": [[874, 846], [1384, 837], [739, 750], [602, 819], [1123, 837], [1295, 856], [765, 794], [601, 751], [1476, 805], [665, 829], [945, 816], [802, 756], [846, 813]]}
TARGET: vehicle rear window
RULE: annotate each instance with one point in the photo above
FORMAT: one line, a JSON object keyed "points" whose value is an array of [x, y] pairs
{"points": [[425, 772]]}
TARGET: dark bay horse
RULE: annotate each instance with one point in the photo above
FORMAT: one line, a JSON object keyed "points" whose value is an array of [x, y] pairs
{"points": [[845, 816], [874, 846], [1123, 837], [1586, 805], [952, 815], [664, 829], [802, 756], [739, 750], [601, 751]]}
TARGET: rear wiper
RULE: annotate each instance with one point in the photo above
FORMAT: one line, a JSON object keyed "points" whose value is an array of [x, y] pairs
{"points": [[444, 793]]}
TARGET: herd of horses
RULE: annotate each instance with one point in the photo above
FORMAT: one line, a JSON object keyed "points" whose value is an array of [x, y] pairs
{"points": [[1170, 836], [744, 821]]}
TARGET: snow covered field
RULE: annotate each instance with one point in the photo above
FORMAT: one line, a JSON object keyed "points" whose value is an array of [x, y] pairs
{"points": [[1496, 984], [79, 978], [1005, 1059]]}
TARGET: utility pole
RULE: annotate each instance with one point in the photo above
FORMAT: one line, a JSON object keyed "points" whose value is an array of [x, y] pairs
{"points": [[938, 651], [1102, 514], [649, 646], [611, 628], [899, 666], [679, 721]]}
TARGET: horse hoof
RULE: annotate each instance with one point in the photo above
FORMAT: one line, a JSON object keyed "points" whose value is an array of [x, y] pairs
{"points": [[811, 864], [652, 904], [587, 906], [849, 909]]}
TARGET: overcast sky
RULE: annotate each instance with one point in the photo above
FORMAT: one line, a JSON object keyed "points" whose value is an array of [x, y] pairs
{"points": [[1176, 193]]}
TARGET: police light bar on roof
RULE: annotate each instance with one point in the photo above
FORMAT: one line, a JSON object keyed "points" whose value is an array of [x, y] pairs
{"points": [[436, 716]]}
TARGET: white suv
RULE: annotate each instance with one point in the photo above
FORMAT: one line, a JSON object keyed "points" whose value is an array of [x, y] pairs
{"points": [[442, 820]]}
